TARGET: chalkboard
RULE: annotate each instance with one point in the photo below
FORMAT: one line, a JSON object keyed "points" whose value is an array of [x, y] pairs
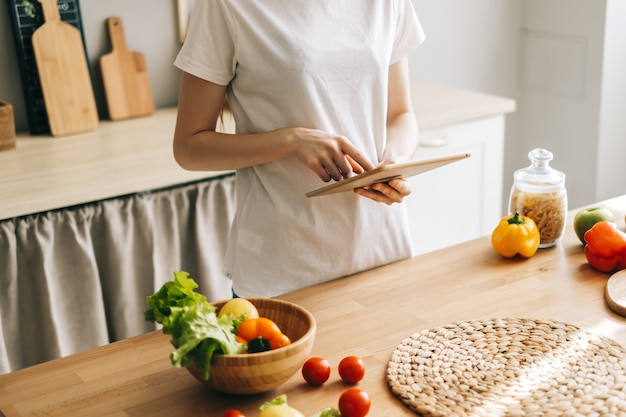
{"points": [[27, 16]]}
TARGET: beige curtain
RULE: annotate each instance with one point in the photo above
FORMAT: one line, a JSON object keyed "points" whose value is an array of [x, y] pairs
{"points": [[77, 278]]}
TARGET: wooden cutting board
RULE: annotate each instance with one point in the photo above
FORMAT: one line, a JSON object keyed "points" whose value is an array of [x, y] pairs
{"points": [[125, 77], [615, 292], [64, 74]]}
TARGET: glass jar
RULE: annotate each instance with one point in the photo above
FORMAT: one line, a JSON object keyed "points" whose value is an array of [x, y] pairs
{"points": [[539, 192]]}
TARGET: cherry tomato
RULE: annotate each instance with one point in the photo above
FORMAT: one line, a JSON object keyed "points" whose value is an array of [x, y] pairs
{"points": [[316, 370], [354, 402], [351, 369], [233, 413]]}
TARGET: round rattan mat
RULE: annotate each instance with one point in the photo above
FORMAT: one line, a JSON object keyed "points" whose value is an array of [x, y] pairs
{"points": [[509, 367]]}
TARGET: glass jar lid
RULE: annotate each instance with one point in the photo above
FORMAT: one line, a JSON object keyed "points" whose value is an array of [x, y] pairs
{"points": [[539, 173]]}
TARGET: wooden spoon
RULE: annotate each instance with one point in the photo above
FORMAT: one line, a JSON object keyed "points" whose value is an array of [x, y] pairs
{"points": [[615, 292]]}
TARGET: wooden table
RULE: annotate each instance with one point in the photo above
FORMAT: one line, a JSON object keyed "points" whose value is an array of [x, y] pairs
{"points": [[367, 314]]}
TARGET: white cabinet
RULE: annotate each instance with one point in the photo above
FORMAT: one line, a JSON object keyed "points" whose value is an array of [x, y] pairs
{"points": [[463, 200]]}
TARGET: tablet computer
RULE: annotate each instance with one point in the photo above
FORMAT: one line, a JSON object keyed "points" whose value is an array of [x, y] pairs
{"points": [[385, 173]]}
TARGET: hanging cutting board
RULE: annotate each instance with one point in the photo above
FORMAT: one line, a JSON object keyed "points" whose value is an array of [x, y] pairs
{"points": [[125, 77], [27, 17], [64, 74]]}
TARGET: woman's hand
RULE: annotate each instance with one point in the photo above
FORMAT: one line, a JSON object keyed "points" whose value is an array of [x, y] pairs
{"points": [[392, 191], [334, 157], [330, 156]]}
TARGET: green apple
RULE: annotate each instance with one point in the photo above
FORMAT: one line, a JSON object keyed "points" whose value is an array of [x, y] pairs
{"points": [[587, 217]]}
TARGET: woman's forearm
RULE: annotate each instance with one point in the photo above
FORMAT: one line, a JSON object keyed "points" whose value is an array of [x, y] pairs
{"points": [[402, 138], [215, 151]]}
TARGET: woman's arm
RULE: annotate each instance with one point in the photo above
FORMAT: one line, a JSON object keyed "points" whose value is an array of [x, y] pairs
{"points": [[198, 146], [402, 135], [402, 130]]}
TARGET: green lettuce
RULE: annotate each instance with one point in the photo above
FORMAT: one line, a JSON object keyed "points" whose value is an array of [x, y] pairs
{"points": [[197, 332]]}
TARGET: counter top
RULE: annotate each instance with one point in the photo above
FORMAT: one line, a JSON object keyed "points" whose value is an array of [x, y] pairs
{"points": [[119, 158], [125, 157], [437, 105], [368, 314]]}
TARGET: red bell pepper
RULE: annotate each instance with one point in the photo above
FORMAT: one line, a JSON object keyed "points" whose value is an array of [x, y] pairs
{"points": [[606, 247]]}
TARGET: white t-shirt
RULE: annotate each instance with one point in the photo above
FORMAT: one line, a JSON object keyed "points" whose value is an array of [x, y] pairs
{"points": [[314, 64]]}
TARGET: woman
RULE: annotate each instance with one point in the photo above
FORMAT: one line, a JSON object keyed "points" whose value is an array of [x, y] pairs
{"points": [[319, 90]]}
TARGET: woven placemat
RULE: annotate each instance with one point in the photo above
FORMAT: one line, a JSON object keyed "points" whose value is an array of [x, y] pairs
{"points": [[509, 367]]}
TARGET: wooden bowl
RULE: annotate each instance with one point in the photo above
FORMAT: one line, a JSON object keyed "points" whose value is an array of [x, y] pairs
{"points": [[261, 372]]}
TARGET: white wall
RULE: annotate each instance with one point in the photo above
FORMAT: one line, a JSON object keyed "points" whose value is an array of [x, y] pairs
{"points": [[611, 179], [564, 61], [577, 108], [474, 45], [470, 44], [560, 105]]}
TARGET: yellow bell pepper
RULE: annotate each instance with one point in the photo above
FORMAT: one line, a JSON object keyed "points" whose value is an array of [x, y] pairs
{"points": [[516, 234]]}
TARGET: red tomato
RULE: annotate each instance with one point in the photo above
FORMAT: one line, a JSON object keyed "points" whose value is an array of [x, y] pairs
{"points": [[354, 402], [316, 371], [351, 369], [233, 413]]}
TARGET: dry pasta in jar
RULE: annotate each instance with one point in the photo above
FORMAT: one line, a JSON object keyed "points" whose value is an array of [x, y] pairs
{"points": [[548, 211]]}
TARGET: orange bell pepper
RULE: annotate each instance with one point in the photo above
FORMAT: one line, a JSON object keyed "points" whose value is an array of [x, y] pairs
{"points": [[606, 247]]}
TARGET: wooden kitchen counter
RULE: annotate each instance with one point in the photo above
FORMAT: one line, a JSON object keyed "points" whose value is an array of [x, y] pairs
{"points": [[119, 158], [367, 314], [135, 155], [437, 106]]}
